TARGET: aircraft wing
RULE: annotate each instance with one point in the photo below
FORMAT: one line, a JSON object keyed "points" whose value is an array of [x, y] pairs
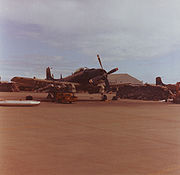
{"points": [[35, 84]]}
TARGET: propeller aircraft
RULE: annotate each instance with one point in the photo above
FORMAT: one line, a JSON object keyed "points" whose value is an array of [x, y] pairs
{"points": [[83, 80]]}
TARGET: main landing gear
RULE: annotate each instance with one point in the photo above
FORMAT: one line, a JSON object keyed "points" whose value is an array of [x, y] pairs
{"points": [[103, 97]]}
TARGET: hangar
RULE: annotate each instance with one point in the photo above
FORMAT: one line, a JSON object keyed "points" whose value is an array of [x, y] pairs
{"points": [[118, 79]]}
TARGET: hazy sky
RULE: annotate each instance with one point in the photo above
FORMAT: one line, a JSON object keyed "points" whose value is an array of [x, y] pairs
{"points": [[140, 37]]}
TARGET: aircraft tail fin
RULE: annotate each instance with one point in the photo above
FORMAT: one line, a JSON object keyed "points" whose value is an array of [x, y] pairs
{"points": [[49, 76], [159, 81]]}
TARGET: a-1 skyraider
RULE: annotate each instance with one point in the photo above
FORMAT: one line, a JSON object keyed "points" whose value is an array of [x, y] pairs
{"points": [[83, 80]]}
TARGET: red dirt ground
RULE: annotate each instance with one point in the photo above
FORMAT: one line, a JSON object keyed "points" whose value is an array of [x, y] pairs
{"points": [[89, 137]]}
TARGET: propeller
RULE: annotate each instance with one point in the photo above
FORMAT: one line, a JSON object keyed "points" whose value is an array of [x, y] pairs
{"points": [[96, 79]]}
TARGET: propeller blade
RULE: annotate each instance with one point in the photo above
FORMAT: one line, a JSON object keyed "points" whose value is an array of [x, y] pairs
{"points": [[107, 85], [99, 61], [112, 71]]}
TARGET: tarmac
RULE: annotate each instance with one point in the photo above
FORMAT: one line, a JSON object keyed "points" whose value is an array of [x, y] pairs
{"points": [[89, 137]]}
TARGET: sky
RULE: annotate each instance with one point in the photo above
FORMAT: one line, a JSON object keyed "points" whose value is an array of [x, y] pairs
{"points": [[140, 37]]}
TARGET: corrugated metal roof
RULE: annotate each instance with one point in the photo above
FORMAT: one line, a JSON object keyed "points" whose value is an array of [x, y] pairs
{"points": [[123, 79]]}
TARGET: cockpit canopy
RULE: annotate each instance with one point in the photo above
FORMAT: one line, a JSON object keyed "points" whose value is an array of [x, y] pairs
{"points": [[80, 70]]}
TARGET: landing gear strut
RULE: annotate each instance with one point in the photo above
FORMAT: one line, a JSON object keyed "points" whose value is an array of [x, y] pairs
{"points": [[49, 96]]}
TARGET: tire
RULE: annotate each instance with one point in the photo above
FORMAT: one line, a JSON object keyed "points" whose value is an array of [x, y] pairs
{"points": [[29, 97], [104, 97]]}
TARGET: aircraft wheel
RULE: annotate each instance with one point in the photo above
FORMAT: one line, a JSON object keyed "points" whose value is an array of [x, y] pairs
{"points": [[104, 97], [29, 97], [115, 98]]}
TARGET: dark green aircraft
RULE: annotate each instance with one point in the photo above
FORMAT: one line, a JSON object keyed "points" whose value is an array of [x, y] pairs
{"points": [[84, 80]]}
